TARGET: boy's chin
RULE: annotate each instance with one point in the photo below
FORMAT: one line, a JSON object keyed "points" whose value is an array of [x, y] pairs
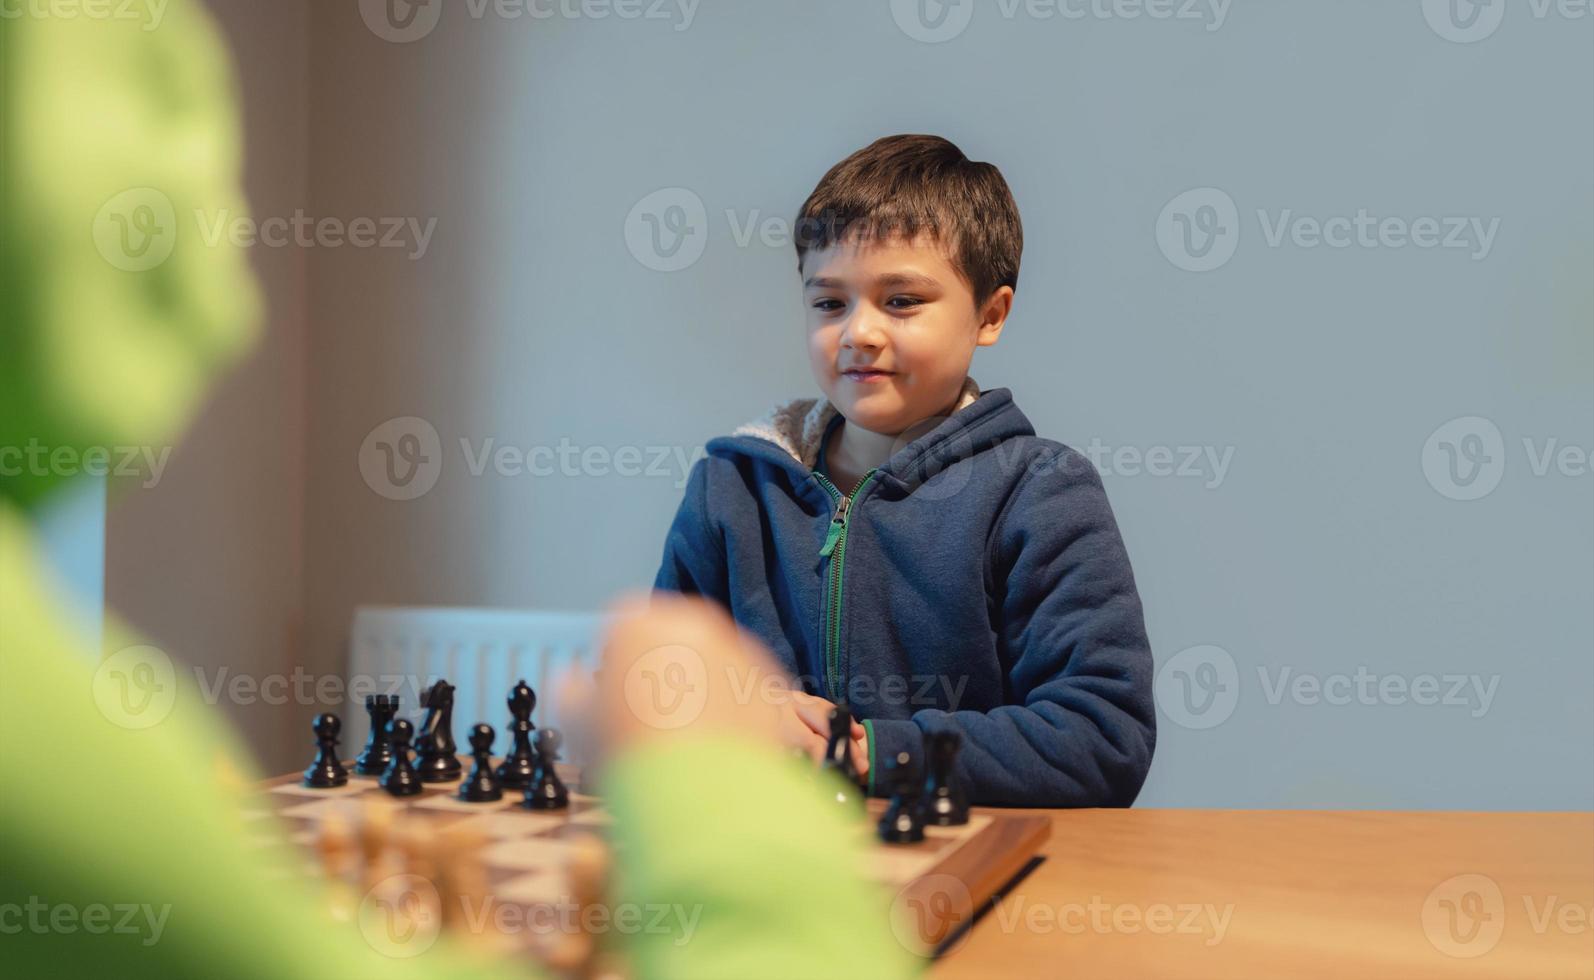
{"points": [[878, 412]]}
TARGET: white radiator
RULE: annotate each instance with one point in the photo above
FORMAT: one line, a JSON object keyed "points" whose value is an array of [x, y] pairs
{"points": [[482, 652]]}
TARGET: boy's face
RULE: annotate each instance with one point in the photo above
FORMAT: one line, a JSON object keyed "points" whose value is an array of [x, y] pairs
{"points": [[892, 328]]}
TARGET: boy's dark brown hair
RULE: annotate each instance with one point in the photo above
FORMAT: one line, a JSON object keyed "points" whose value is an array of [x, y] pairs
{"points": [[908, 184]]}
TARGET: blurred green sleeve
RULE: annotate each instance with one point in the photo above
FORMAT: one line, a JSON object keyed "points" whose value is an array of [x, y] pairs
{"points": [[735, 864], [126, 843]]}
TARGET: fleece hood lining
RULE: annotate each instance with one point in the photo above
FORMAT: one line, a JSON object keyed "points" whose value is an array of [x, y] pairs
{"points": [[799, 426]]}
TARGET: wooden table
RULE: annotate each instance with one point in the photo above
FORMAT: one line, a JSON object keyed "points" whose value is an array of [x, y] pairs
{"points": [[1243, 893]]}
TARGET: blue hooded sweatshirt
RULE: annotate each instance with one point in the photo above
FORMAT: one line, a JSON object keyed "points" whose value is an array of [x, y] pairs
{"points": [[976, 582]]}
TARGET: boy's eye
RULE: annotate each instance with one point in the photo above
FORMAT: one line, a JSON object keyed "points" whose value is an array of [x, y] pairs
{"points": [[904, 302], [828, 304]]}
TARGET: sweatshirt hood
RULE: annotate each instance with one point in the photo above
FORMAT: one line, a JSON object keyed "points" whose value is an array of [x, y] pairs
{"points": [[791, 434]]}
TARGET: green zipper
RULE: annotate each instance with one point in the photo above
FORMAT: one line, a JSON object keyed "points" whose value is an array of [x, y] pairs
{"points": [[835, 548]]}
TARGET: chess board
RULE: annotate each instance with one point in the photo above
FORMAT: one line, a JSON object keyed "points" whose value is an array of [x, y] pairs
{"points": [[939, 885]]}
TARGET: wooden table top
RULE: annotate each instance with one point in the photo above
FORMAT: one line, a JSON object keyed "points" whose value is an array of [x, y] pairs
{"points": [[1246, 893]]}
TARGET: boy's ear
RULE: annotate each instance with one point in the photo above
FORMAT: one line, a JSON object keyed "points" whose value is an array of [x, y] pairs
{"points": [[994, 316]]}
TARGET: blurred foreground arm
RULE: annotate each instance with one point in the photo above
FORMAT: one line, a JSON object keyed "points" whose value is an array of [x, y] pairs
{"points": [[718, 821]]}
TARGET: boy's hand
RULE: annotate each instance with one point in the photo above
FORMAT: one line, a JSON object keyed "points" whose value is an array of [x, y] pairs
{"points": [[805, 724]]}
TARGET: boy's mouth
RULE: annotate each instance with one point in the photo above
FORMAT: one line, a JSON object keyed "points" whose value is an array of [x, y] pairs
{"points": [[866, 375]]}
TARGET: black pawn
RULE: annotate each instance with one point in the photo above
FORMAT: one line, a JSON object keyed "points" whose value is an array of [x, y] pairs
{"points": [[546, 791], [945, 803], [374, 760], [903, 822], [326, 771], [838, 755], [436, 758], [481, 786], [518, 764], [400, 778]]}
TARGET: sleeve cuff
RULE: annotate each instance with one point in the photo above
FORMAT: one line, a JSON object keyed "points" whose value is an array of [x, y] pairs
{"points": [[886, 738]]}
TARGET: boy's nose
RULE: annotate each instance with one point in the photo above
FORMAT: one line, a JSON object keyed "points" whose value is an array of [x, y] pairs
{"points": [[862, 329]]}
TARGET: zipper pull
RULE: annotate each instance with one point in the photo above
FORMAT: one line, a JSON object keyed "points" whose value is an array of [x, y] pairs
{"points": [[837, 525]]}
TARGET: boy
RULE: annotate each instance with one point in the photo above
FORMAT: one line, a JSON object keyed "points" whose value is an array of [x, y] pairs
{"points": [[907, 544]]}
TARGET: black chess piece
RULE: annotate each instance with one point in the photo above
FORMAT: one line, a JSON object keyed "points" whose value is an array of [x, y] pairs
{"points": [[437, 761], [481, 786], [373, 761], [326, 771], [400, 778], [518, 763], [838, 756], [546, 791], [945, 803], [903, 822]]}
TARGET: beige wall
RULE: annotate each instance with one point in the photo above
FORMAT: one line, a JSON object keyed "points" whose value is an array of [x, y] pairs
{"points": [[210, 561]]}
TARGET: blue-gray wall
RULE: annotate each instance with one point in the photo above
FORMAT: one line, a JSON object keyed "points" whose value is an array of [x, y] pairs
{"points": [[1381, 599]]}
